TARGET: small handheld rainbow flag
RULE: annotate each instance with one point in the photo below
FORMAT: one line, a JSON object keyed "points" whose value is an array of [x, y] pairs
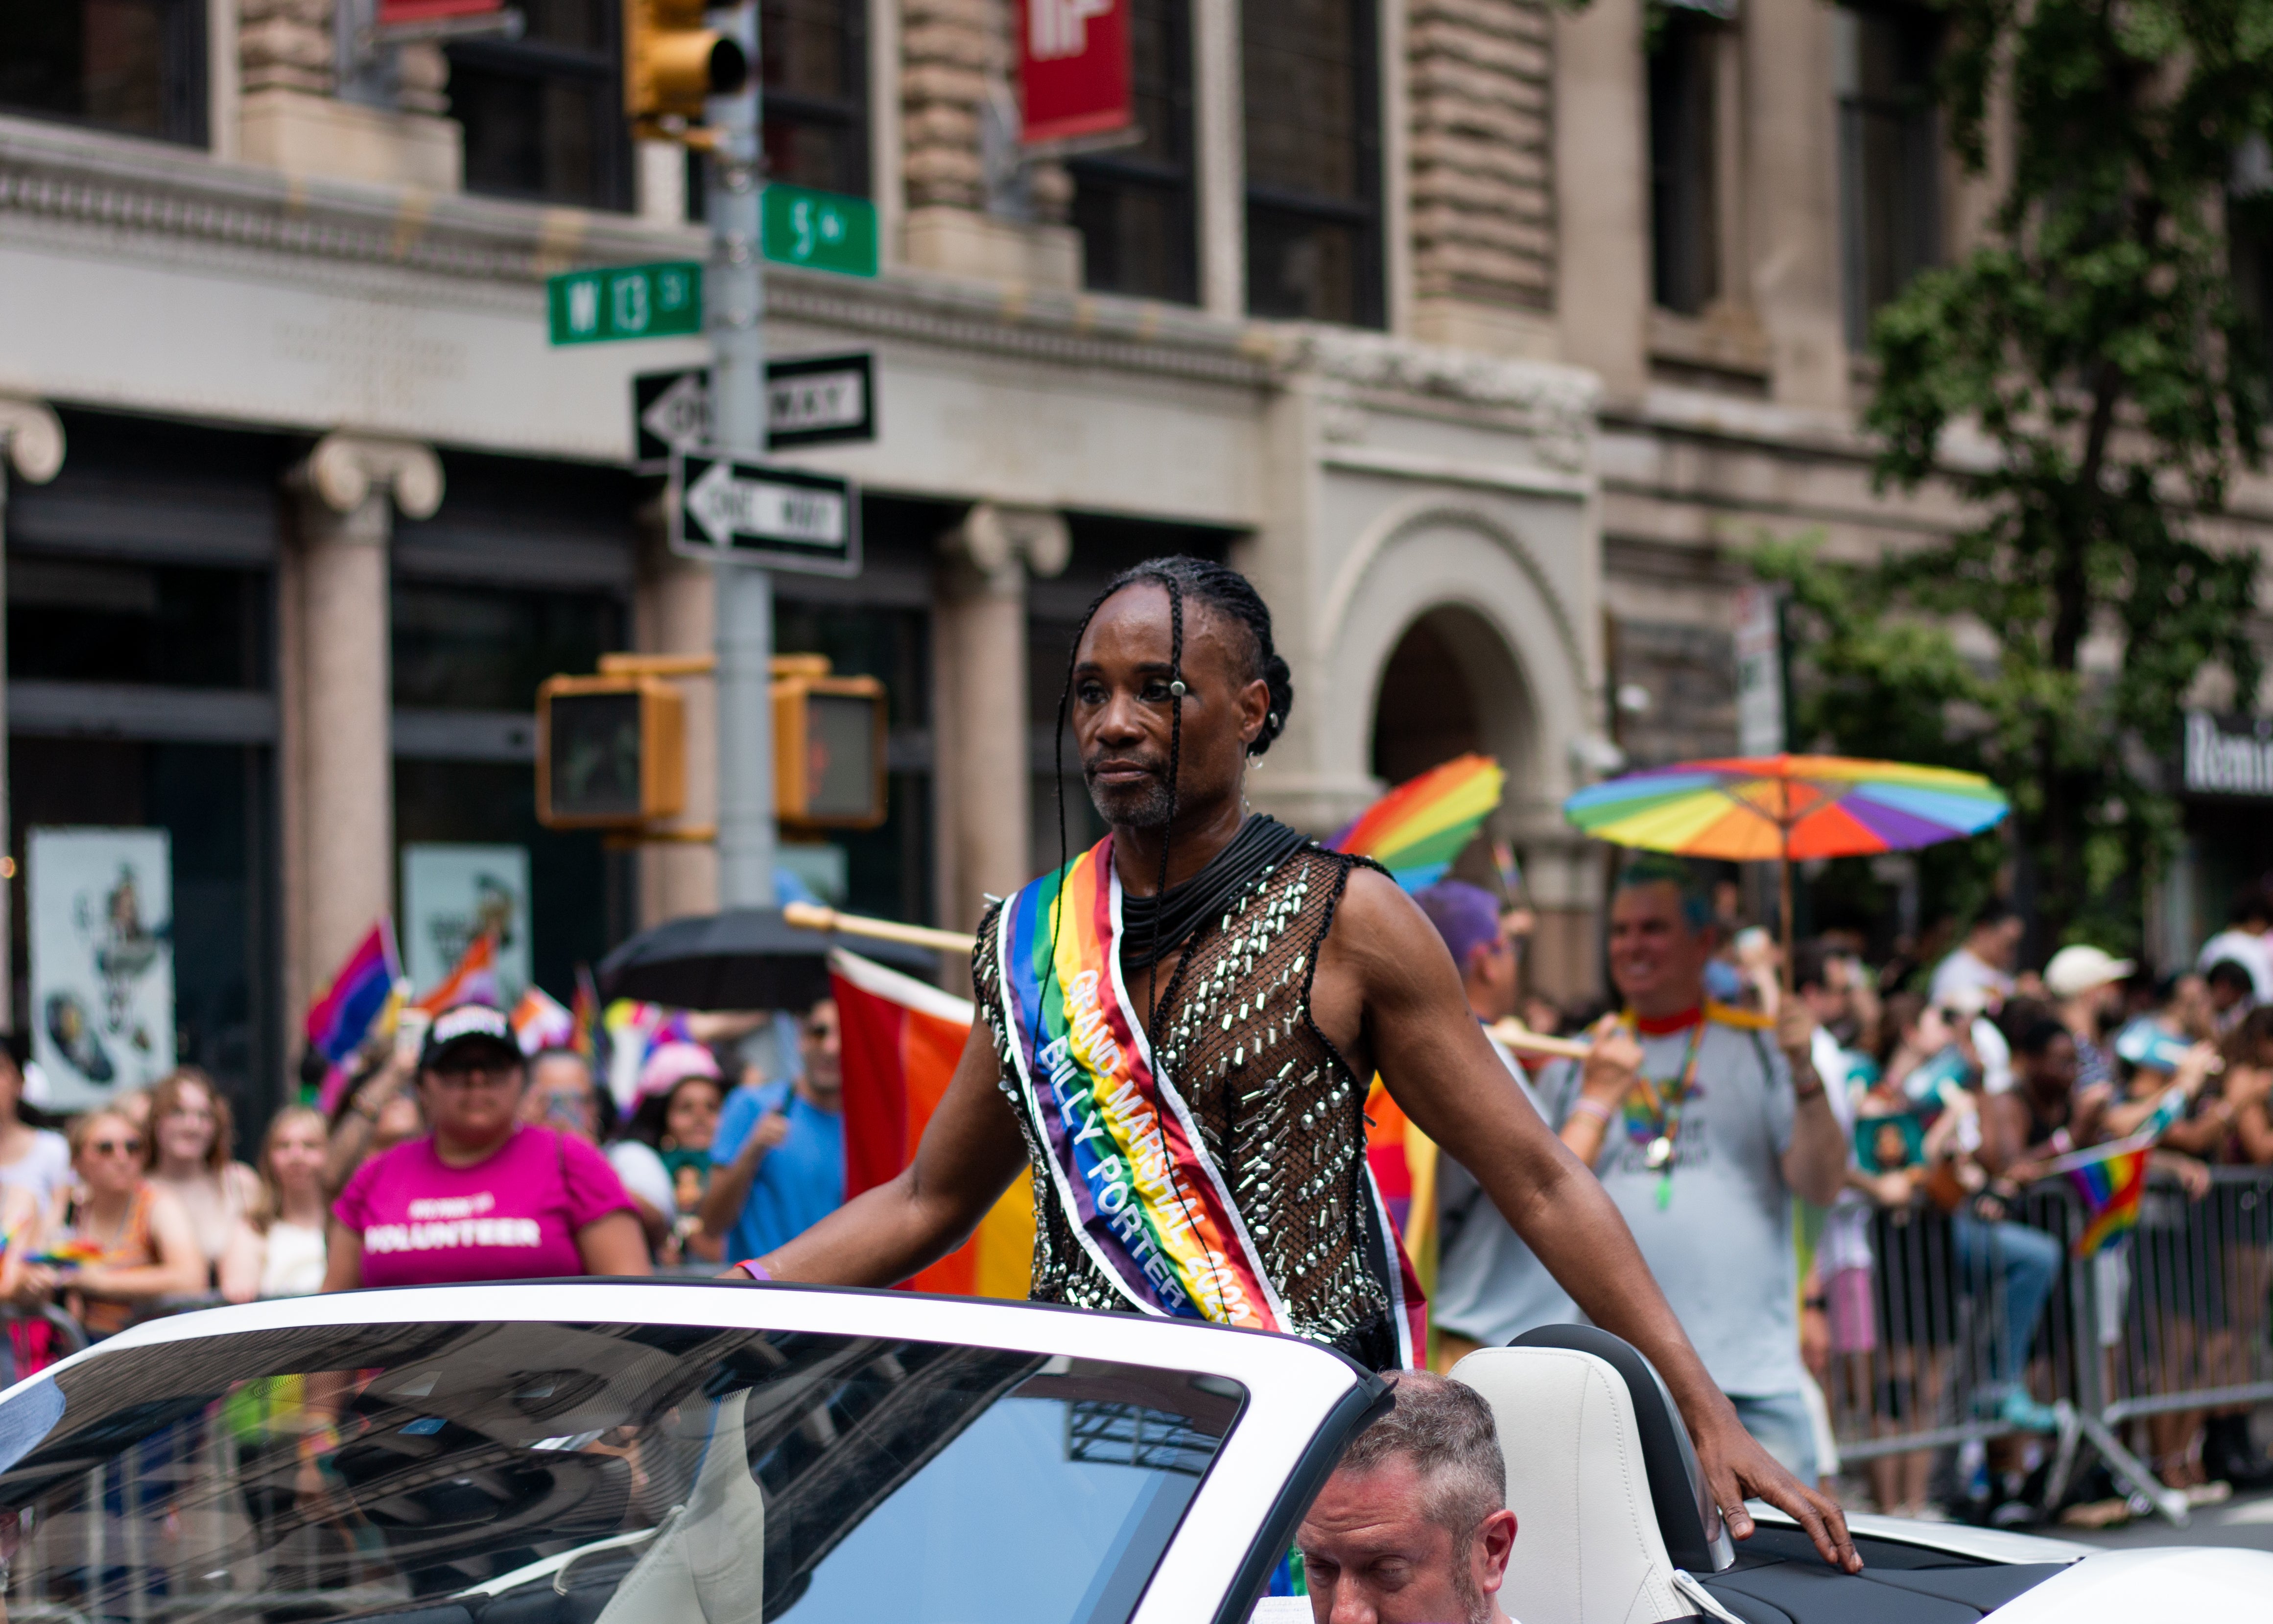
{"points": [[340, 1017], [2109, 1188], [1420, 826], [584, 1014], [68, 1255], [538, 1021], [473, 981]]}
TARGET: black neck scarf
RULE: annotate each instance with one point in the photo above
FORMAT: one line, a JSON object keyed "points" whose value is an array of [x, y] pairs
{"points": [[1182, 909]]}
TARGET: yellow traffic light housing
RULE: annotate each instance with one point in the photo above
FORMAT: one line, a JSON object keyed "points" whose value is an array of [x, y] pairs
{"points": [[829, 746], [672, 64], [611, 751]]}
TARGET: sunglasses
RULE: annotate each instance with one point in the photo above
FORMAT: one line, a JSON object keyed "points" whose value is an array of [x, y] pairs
{"points": [[478, 1076], [116, 1146]]}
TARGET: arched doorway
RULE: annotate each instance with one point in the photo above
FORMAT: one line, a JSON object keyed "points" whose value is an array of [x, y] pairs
{"points": [[1450, 685]]}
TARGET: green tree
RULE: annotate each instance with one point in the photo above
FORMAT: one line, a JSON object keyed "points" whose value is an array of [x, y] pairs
{"points": [[2093, 339]]}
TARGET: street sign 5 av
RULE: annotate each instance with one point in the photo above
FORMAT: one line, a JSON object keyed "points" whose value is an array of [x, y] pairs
{"points": [[627, 302], [823, 231], [810, 400], [751, 512]]}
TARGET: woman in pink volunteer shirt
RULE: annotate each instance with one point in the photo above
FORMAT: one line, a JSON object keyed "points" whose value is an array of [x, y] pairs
{"points": [[483, 1196]]}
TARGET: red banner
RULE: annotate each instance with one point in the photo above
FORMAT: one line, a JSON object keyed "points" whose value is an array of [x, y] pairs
{"points": [[392, 13], [1073, 62]]}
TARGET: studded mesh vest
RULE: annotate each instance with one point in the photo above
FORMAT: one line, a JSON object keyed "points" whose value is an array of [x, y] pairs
{"points": [[1277, 1108]]}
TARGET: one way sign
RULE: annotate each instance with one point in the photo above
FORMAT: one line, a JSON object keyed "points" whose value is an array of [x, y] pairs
{"points": [[810, 400], [783, 519]]}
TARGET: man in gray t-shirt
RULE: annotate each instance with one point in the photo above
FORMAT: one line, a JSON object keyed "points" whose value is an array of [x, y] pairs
{"points": [[1704, 1148]]}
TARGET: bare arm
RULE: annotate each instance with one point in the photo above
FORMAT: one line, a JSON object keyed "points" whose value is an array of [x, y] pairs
{"points": [[180, 1270], [613, 1243], [342, 1259], [1815, 1162], [729, 1185], [1442, 1071], [970, 1151]]}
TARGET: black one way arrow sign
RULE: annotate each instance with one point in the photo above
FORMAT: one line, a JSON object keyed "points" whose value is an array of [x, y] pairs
{"points": [[751, 512], [810, 400]]}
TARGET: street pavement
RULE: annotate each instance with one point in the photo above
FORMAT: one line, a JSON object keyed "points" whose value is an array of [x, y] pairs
{"points": [[2244, 1520]]}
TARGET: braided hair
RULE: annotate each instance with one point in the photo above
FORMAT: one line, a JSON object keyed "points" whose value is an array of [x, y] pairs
{"points": [[1232, 596]]}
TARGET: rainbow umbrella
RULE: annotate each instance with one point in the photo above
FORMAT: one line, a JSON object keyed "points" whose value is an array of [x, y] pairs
{"points": [[1420, 826], [1778, 808]]}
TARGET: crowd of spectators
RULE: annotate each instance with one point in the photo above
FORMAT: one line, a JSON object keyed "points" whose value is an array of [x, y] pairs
{"points": [[1922, 1280], [449, 1155]]}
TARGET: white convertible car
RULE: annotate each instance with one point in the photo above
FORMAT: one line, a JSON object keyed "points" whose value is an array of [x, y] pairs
{"points": [[699, 1452]]}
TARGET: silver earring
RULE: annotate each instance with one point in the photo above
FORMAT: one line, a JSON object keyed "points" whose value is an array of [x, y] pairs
{"points": [[1177, 688]]}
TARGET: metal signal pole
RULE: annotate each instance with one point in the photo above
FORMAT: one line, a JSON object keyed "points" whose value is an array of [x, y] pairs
{"points": [[743, 595]]}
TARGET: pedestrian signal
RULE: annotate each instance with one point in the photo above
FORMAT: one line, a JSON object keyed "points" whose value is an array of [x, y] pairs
{"points": [[829, 746], [672, 64], [611, 751]]}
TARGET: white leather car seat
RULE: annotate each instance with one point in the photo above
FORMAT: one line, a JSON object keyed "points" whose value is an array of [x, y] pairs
{"points": [[1589, 1547], [708, 1566]]}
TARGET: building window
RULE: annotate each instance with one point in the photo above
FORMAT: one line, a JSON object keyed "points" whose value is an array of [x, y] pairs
{"points": [[1134, 204], [544, 113], [138, 66], [1683, 200], [1313, 160], [1889, 156]]}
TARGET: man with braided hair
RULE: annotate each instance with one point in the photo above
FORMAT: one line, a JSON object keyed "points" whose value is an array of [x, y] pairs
{"points": [[1178, 1026]]}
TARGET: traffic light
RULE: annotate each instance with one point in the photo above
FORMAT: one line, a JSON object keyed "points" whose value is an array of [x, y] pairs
{"points": [[611, 752], [671, 63], [829, 746]]}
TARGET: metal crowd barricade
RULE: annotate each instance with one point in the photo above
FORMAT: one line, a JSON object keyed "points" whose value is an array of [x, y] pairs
{"points": [[2175, 1320]]}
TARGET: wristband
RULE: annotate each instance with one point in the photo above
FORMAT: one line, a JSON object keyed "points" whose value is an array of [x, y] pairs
{"points": [[1595, 1109], [754, 1270]]}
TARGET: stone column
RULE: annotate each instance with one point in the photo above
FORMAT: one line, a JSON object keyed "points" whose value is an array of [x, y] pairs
{"points": [[674, 614], [338, 772], [34, 441], [1791, 157], [982, 770], [1602, 192], [1566, 879]]}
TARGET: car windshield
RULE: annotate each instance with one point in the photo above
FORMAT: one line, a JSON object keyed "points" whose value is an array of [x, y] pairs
{"points": [[534, 1473]]}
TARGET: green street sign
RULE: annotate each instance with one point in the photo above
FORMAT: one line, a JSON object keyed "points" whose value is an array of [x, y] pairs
{"points": [[627, 302], [824, 230]]}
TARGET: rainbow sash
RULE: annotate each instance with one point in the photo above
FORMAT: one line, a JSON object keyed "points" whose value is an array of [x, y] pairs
{"points": [[1123, 1155]]}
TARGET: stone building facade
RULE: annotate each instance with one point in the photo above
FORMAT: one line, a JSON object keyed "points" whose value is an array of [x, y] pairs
{"points": [[1482, 332]]}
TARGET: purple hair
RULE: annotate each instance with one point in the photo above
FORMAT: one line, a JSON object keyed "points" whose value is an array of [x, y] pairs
{"points": [[1465, 916]]}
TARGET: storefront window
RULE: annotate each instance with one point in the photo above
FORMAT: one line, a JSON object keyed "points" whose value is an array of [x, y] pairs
{"points": [[467, 662], [138, 66], [93, 620]]}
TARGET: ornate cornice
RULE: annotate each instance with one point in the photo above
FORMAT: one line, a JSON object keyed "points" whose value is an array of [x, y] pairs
{"points": [[1554, 404]]}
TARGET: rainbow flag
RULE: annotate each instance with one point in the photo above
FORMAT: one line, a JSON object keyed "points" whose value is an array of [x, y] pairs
{"points": [[901, 1038], [584, 1012], [2108, 1186], [1420, 826], [538, 1021], [634, 1030], [473, 981], [342, 1016]]}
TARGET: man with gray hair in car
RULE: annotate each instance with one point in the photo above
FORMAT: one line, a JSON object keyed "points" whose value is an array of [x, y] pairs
{"points": [[1413, 1528]]}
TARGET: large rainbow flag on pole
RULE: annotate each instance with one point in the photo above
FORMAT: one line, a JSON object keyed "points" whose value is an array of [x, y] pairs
{"points": [[901, 1038]]}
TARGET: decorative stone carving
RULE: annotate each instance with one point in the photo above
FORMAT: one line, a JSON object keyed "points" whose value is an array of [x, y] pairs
{"points": [[1478, 77], [422, 77], [342, 469], [992, 537], [33, 439], [945, 48], [286, 45], [1554, 404]]}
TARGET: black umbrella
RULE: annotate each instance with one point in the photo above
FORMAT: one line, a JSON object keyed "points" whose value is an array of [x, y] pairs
{"points": [[746, 958]]}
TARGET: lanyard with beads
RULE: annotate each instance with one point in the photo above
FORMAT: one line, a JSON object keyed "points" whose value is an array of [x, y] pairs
{"points": [[1660, 1154]]}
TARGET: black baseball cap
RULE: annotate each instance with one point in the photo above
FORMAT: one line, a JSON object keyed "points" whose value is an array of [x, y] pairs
{"points": [[460, 1031]]}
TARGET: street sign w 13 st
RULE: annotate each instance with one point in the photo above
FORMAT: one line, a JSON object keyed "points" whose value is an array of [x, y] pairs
{"points": [[627, 302], [723, 508]]}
